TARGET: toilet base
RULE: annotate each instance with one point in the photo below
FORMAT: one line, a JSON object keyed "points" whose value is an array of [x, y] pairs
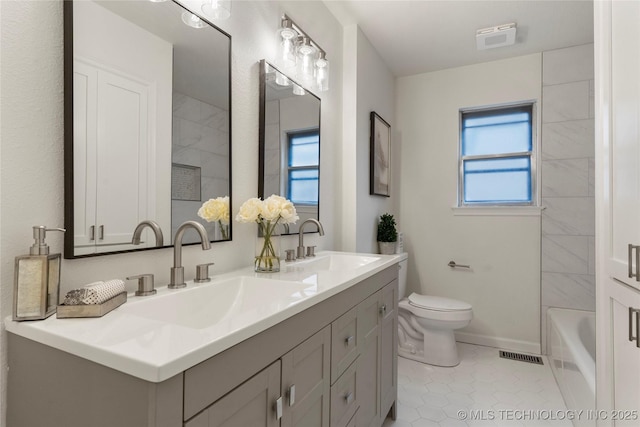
{"points": [[440, 348]]}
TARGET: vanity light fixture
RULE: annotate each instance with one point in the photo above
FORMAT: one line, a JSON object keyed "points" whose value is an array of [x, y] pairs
{"points": [[287, 38], [217, 9], [301, 56], [193, 20]]}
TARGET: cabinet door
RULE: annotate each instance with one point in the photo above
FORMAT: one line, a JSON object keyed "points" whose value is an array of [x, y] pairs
{"points": [[122, 139], [250, 404], [368, 363], [388, 348], [306, 381], [625, 140], [624, 333]]}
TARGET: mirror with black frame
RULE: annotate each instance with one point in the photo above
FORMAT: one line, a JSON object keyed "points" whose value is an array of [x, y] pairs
{"points": [[147, 124], [289, 143]]}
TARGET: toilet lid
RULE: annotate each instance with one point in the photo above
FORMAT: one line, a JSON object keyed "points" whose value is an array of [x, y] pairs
{"points": [[437, 303]]}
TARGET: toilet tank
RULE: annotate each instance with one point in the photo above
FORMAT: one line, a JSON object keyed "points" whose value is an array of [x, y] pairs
{"points": [[402, 275]]}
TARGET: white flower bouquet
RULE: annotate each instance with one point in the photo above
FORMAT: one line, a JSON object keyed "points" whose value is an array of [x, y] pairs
{"points": [[267, 214], [216, 210]]}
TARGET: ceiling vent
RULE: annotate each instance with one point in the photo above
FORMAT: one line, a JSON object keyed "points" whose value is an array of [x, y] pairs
{"points": [[498, 36]]}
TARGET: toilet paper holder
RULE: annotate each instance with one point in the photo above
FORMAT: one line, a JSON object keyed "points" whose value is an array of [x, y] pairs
{"points": [[453, 264]]}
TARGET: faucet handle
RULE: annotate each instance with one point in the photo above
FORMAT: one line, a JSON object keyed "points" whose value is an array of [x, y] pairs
{"points": [[145, 284], [311, 251], [202, 273], [291, 255]]}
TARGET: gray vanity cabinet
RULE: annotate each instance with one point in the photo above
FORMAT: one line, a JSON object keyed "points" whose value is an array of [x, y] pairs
{"points": [[377, 384], [331, 365], [251, 404], [303, 394]]}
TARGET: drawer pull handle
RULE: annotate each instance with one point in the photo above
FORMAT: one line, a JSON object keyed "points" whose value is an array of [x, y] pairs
{"points": [[92, 233], [278, 408], [630, 262], [349, 340], [292, 395], [101, 235], [348, 397], [634, 312], [383, 309]]}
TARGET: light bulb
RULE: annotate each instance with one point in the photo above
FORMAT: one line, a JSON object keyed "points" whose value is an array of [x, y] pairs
{"points": [[322, 72], [286, 45]]}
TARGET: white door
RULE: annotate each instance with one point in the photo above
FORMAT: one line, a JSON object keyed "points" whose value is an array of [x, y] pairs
{"points": [[121, 166], [625, 142]]}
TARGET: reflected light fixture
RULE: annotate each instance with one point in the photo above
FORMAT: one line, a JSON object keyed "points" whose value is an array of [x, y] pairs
{"points": [[192, 20], [217, 9], [297, 90], [300, 56]]}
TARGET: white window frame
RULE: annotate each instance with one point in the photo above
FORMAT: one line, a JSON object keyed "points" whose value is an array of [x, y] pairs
{"points": [[532, 154]]}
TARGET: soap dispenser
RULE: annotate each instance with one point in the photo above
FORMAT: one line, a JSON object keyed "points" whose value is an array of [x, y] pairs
{"points": [[36, 286]]}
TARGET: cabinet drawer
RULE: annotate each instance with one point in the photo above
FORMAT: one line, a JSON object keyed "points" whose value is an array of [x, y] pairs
{"points": [[343, 343], [343, 398]]}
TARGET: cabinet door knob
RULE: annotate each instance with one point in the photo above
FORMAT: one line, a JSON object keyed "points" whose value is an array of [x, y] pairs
{"points": [[348, 397], [349, 340], [278, 408], [383, 309], [630, 262], [292, 395], [634, 312]]}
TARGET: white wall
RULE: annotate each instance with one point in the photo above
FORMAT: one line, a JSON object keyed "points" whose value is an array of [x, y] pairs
{"points": [[31, 169], [372, 86], [504, 251]]}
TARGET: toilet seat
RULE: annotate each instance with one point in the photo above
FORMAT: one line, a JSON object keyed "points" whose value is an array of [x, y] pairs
{"points": [[437, 303], [463, 314]]}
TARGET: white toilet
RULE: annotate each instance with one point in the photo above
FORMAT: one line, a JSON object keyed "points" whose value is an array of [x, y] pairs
{"points": [[426, 324]]}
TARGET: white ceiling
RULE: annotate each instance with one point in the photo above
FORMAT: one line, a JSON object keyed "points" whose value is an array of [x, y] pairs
{"points": [[419, 36]]}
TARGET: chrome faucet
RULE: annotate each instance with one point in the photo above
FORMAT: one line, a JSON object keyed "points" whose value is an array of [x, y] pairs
{"points": [[300, 253], [152, 225], [177, 271]]}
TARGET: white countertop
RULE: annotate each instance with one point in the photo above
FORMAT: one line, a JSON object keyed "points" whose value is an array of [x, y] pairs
{"points": [[159, 336]]}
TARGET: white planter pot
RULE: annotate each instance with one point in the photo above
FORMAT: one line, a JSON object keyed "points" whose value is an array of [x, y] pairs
{"points": [[387, 248]]}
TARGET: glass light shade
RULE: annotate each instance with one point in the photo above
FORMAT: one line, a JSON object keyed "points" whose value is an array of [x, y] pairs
{"points": [[297, 90], [322, 73], [282, 80], [306, 58], [193, 20], [287, 36], [217, 9]]}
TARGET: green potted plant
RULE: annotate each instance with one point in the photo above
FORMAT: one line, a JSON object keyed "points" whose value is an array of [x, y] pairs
{"points": [[387, 234]]}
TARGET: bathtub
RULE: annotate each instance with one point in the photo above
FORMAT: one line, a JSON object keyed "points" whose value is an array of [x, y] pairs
{"points": [[571, 347]]}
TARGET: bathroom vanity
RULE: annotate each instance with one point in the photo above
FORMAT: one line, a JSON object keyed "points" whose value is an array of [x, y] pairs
{"points": [[313, 345]]}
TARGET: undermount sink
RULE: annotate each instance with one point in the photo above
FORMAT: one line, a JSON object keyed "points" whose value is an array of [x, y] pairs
{"points": [[227, 303], [336, 262]]}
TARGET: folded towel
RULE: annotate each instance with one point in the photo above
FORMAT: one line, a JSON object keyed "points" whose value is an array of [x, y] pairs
{"points": [[94, 293]]}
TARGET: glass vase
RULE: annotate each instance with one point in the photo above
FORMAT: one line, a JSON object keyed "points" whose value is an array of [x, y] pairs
{"points": [[267, 258]]}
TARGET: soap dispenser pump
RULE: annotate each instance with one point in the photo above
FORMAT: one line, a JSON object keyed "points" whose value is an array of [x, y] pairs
{"points": [[36, 286]]}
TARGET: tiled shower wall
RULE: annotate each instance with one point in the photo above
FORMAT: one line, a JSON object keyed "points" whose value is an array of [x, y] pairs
{"points": [[568, 221]]}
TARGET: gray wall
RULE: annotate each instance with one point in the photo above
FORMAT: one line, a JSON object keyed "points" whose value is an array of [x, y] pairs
{"points": [[568, 221]]}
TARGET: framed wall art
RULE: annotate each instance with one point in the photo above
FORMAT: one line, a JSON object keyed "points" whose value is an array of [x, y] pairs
{"points": [[380, 156]]}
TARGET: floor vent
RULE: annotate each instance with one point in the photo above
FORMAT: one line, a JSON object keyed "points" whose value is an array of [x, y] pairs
{"points": [[521, 357]]}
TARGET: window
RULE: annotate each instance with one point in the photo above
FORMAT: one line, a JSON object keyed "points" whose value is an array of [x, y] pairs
{"points": [[303, 170], [497, 161]]}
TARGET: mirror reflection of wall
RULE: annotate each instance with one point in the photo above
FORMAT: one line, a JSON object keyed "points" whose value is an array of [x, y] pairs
{"points": [[151, 116], [290, 143]]}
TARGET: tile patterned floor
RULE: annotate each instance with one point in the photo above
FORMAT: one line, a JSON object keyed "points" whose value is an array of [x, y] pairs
{"points": [[483, 390]]}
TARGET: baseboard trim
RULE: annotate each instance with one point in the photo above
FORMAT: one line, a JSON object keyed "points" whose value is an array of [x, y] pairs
{"points": [[497, 342]]}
